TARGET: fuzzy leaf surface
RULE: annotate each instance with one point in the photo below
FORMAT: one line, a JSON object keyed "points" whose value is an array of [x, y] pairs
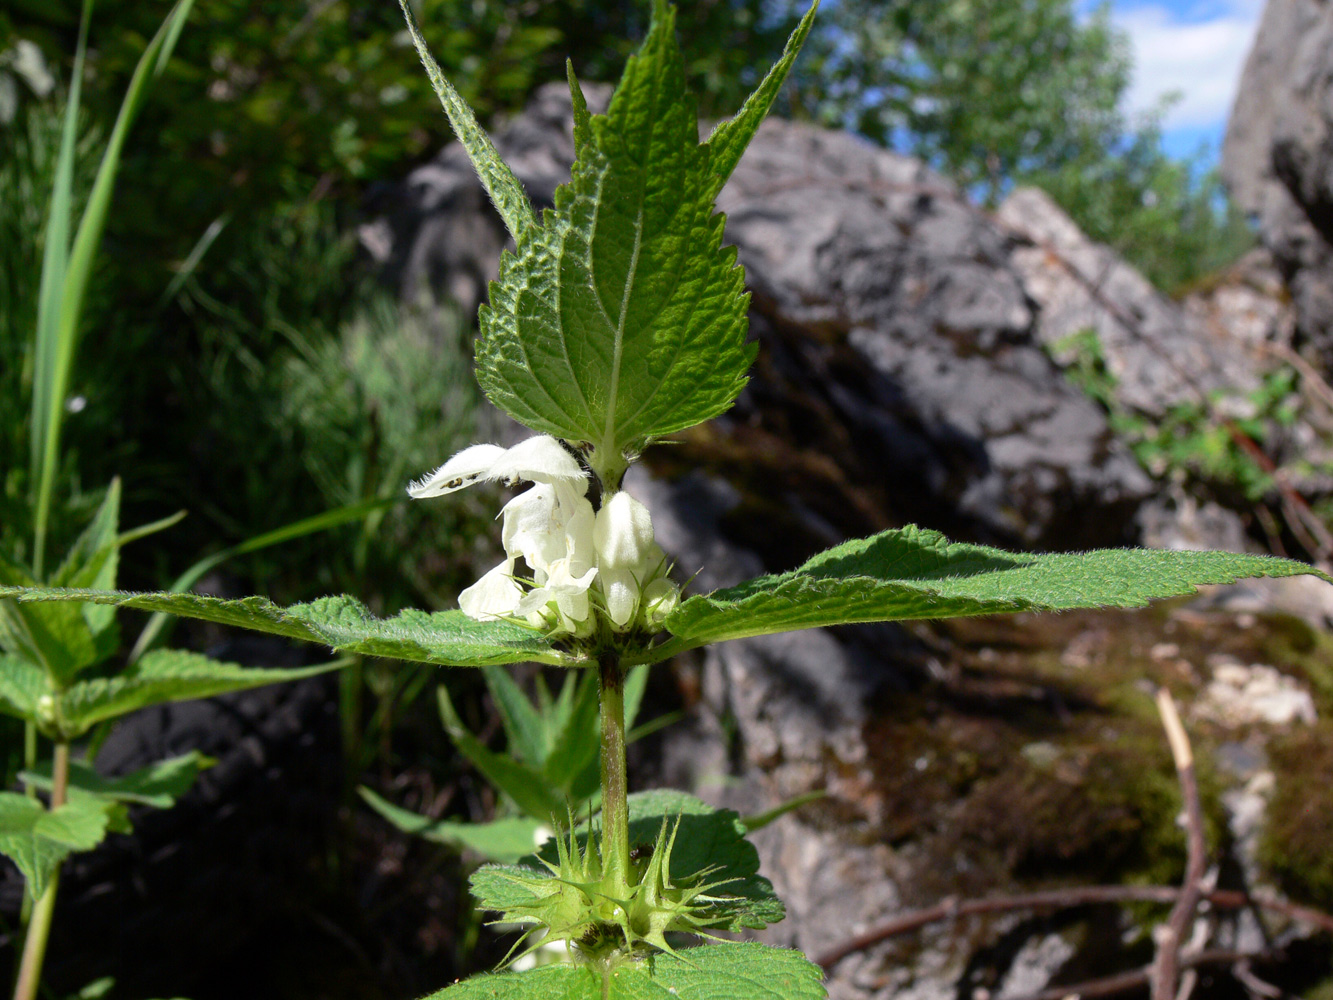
{"points": [[913, 573], [731, 971], [38, 841], [449, 638], [621, 317], [500, 840], [166, 675]]}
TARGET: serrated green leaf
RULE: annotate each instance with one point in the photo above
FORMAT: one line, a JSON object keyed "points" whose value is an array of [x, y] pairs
{"points": [[38, 841], [21, 684], [732, 971], [582, 117], [449, 638], [912, 573], [730, 138], [507, 194], [166, 675], [520, 782], [621, 317], [504, 887], [158, 785], [296, 529], [501, 840]]}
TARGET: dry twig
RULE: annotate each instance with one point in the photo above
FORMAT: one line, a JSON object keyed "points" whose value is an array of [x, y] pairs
{"points": [[1166, 964]]}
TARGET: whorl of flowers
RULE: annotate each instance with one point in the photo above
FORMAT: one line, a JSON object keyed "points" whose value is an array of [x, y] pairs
{"points": [[580, 563]]}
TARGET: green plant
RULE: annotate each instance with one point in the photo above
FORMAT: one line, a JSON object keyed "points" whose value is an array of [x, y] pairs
{"points": [[54, 677], [619, 318], [54, 673], [1217, 439], [550, 768]]}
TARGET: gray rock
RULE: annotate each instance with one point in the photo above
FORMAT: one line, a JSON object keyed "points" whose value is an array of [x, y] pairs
{"points": [[864, 261], [1159, 353], [1277, 158]]}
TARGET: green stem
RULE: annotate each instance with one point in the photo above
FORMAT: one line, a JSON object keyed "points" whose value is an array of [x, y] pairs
{"points": [[39, 929], [30, 790], [29, 752], [615, 790]]}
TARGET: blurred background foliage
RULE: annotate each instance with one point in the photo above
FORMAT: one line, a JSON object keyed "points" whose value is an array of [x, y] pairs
{"points": [[231, 261]]}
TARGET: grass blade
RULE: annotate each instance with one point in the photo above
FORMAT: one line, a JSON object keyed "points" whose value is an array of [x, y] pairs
{"points": [[58, 328]]}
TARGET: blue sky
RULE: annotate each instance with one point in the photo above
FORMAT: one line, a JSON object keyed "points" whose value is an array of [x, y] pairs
{"points": [[1196, 48]]}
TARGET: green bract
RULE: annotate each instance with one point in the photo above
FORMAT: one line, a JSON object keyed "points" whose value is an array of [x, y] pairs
{"points": [[693, 872]]}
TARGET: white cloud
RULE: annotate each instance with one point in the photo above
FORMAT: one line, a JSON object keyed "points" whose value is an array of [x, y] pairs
{"points": [[1195, 49]]}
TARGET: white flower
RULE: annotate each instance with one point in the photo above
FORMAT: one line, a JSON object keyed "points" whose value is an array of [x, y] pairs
{"points": [[629, 560], [573, 555], [550, 527], [540, 459], [495, 595], [624, 533]]}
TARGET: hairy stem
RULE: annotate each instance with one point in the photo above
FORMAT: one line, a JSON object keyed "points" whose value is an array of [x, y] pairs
{"points": [[39, 929], [615, 809]]}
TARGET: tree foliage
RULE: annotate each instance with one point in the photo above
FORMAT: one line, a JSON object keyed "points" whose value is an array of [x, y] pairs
{"points": [[984, 91], [1027, 92]]}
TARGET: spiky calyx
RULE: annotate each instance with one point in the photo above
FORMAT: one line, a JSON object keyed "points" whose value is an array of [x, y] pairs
{"points": [[603, 918]]}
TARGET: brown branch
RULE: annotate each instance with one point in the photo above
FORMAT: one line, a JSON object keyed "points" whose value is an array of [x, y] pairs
{"points": [[1136, 979], [1305, 524], [1063, 899], [1166, 964], [1310, 377]]}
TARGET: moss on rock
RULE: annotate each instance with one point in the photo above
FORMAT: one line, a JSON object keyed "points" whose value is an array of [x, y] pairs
{"points": [[1297, 846]]}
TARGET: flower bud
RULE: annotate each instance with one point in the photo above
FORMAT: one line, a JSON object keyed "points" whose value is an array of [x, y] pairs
{"points": [[659, 599], [623, 534], [46, 710], [621, 590]]}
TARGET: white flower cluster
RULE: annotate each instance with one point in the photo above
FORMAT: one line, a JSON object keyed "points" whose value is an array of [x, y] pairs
{"points": [[578, 558]]}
